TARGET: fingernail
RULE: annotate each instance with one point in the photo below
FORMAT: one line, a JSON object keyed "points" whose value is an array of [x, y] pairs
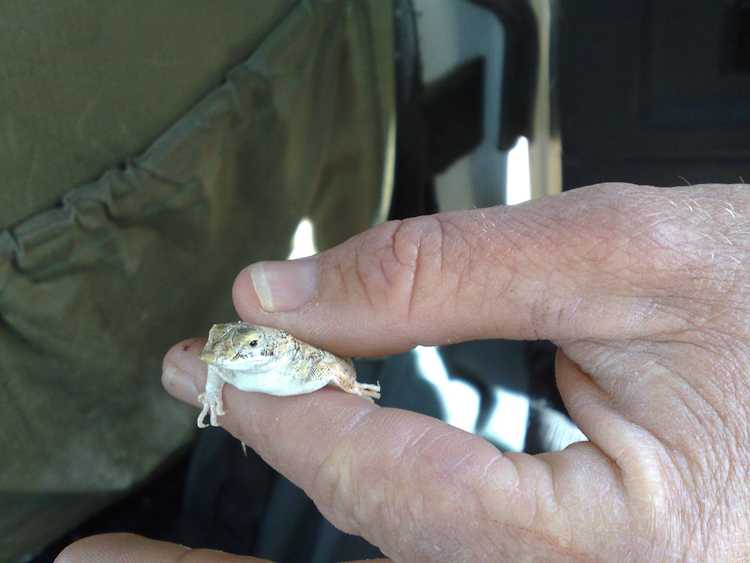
{"points": [[179, 384], [286, 286]]}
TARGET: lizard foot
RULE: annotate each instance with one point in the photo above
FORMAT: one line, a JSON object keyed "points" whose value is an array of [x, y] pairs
{"points": [[213, 406], [368, 391]]}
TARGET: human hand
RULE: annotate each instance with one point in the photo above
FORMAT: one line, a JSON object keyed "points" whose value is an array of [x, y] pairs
{"points": [[646, 293]]}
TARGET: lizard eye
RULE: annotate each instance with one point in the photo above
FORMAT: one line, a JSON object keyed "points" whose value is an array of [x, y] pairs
{"points": [[253, 343]]}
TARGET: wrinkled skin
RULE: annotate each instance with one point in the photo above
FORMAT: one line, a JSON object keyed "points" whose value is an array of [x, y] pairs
{"points": [[647, 293]]}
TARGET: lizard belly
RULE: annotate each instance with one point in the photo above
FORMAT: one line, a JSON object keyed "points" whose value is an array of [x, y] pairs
{"points": [[273, 382]]}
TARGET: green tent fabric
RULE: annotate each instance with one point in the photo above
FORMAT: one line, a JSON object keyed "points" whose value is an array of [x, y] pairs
{"points": [[98, 280], [88, 84]]}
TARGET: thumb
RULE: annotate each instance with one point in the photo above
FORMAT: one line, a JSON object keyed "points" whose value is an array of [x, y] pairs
{"points": [[556, 268]]}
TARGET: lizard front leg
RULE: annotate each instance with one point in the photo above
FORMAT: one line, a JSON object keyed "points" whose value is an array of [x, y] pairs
{"points": [[213, 403]]}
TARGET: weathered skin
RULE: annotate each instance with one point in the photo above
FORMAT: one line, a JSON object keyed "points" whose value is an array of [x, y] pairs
{"points": [[269, 360]]}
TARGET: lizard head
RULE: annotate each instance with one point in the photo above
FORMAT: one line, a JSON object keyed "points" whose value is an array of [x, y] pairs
{"points": [[240, 345]]}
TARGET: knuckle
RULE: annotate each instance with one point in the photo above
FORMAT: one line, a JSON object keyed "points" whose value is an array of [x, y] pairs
{"points": [[397, 261]]}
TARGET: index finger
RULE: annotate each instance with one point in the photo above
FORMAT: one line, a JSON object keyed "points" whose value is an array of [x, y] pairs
{"points": [[397, 478]]}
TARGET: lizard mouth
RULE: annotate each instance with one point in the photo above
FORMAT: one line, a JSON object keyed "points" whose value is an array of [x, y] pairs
{"points": [[209, 357], [218, 355], [213, 354]]}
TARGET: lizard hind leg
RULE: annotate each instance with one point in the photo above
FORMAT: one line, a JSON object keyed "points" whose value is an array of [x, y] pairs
{"points": [[345, 378]]}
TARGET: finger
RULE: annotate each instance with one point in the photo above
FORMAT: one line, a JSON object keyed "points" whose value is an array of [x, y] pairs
{"points": [[129, 548], [637, 453], [596, 262], [183, 359], [410, 484]]}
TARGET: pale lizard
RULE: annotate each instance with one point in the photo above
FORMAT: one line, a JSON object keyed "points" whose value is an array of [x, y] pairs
{"points": [[269, 360]]}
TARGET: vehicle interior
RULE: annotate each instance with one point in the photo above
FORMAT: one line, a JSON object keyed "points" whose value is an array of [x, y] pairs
{"points": [[321, 119]]}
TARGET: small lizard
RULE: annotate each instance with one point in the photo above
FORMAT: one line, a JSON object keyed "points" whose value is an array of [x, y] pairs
{"points": [[269, 360]]}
